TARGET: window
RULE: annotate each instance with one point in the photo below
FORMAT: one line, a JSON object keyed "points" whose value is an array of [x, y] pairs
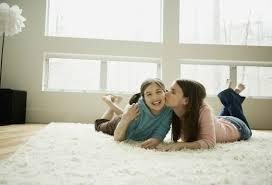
{"points": [[243, 22], [128, 76], [134, 20], [72, 73], [213, 77], [214, 73], [258, 80]]}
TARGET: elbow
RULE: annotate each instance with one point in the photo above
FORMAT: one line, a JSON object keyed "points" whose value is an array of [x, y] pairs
{"points": [[212, 144], [207, 144], [118, 138]]}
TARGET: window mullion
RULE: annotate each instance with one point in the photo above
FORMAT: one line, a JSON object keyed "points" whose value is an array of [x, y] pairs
{"points": [[46, 74], [103, 74], [159, 71], [233, 74]]}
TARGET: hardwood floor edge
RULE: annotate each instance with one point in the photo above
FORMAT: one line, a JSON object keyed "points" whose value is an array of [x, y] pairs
{"points": [[14, 136]]}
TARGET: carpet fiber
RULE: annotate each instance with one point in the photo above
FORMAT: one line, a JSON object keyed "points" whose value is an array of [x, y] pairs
{"points": [[74, 154]]}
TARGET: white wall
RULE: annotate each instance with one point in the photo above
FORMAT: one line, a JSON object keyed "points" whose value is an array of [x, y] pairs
{"points": [[23, 66]]}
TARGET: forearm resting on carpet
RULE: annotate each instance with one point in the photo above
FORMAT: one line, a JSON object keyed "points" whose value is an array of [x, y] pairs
{"points": [[178, 146]]}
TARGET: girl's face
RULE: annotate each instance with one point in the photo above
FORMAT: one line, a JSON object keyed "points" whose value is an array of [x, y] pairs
{"points": [[175, 98], [154, 98]]}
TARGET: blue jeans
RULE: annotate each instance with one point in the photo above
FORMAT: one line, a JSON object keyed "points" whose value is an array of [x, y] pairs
{"points": [[233, 112]]}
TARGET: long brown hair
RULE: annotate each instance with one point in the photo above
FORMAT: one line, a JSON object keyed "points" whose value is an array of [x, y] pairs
{"points": [[188, 124]]}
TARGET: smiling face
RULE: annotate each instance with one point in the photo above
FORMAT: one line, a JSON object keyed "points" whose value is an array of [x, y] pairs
{"points": [[154, 97], [175, 97]]}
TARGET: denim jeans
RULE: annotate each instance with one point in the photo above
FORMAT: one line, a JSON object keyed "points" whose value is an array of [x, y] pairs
{"points": [[233, 112], [245, 132]]}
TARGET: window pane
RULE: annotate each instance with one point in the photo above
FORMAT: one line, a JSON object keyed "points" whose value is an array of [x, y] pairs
{"points": [[213, 77], [242, 22], [73, 74], [128, 76], [258, 80], [137, 20]]}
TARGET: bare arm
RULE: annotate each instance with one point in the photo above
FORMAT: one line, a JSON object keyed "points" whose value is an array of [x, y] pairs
{"points": [[178, 146], [130, 113], [150, 143]]}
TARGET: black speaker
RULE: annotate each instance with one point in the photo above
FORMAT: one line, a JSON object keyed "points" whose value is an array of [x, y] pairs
{"points": [[12, 106]]}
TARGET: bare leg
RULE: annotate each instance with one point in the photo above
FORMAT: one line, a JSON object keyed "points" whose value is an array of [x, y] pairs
{"points": [[239, 88], [107, 123], [228, 83], [112, 102], [108, 114]]}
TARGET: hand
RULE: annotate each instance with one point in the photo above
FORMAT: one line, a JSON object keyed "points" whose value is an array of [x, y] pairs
{"points": [[150, 143], [168, 147], [131, 112]]}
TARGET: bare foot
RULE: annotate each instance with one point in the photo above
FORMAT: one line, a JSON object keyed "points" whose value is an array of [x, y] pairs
{"points": [[116, 99], [239, 88], [109, 98], [228, 83]]}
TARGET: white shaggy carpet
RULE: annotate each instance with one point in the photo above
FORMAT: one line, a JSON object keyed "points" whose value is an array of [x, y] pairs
{"points": [[74, 154]]}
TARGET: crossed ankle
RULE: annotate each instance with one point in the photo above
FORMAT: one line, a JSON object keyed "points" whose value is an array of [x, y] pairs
{"points": [[239, 88]]}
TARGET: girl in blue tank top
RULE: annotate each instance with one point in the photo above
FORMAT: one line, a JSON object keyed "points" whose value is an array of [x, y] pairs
{"points": [[146, 118]]}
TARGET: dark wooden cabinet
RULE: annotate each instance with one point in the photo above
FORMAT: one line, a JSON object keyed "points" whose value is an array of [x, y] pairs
{"points": [[12, 106]]}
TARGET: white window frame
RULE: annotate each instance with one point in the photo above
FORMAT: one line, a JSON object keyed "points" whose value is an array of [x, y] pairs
{"points": [[233, 68], [103, 73], [216, 30], [50, 34]]}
